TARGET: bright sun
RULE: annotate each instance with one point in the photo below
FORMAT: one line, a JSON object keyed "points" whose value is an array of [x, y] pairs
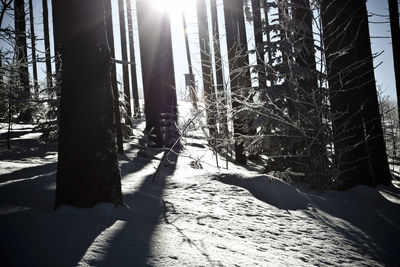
{"points": [[174, 7]]}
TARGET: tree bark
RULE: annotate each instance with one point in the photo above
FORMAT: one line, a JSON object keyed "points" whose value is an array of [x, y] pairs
{"points": [[87, 171], [395, 30], [33, 44], [49, 78], [358, 136], [157, 69], [22, 60], [110, 39], [206, 63], [125, 70], [133, 60]]}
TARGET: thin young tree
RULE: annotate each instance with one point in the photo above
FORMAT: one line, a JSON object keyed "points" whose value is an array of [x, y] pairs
{"points": [[135, 92], [395, 30], [125, 69], [110, 39], [219, 77], [49, 79], [33, 47], [206, 70], [157, 73], [87, 171], [22, 60]]}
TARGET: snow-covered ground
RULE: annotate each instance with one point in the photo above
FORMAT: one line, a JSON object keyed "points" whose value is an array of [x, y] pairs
{"points": [[189, 216]]}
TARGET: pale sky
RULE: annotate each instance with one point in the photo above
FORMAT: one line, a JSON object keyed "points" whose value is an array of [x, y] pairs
{"points": [[384, 73]]}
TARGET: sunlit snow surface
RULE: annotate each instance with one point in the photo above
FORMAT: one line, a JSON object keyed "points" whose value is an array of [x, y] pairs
{"points": [[188, 217]]}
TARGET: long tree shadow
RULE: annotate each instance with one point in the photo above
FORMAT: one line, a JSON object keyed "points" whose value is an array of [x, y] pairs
{"points": [[371, 222], [366, 210], [28, 173], [134, 241]]}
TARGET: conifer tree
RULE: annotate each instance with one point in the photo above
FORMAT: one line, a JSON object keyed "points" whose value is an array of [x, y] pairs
{"points": [[110, 39], [238, 70], [87, 171], [33, 47], [49, 78], [135, 92], [25, 114], [125, 70], [395, 32], [207, 73], [358, 136], [157, 73]]}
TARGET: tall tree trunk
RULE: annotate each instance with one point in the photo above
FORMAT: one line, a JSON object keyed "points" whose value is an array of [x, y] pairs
{"points": [[110, 39], [238, 69], [1, 68], [358, 136], [372, 119], [57, 62], [269, 50], [49, 78], [87, 171], [218, 69], [309, 104], [206, 62], [125, 70], [395, 30], [258, 38], [192, 85], [33, 44], [133, 60], [22, 59], [157, 69]]}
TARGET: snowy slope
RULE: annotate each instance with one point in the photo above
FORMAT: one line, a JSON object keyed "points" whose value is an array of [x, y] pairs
{"points": [[189, 217]]}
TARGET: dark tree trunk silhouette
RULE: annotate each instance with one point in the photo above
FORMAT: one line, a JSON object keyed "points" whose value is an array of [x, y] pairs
{"points": [[55, 14], [206, 63], [157, 69], [87, 171], [258, 38], [22, 59], [110, 39], [33, 47], [308, 94], [1, 68], [238, 68], [219, 77], [372, 119], [49, 78], [358, 136], [135, 91], [125, 70], [395, 30]]}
